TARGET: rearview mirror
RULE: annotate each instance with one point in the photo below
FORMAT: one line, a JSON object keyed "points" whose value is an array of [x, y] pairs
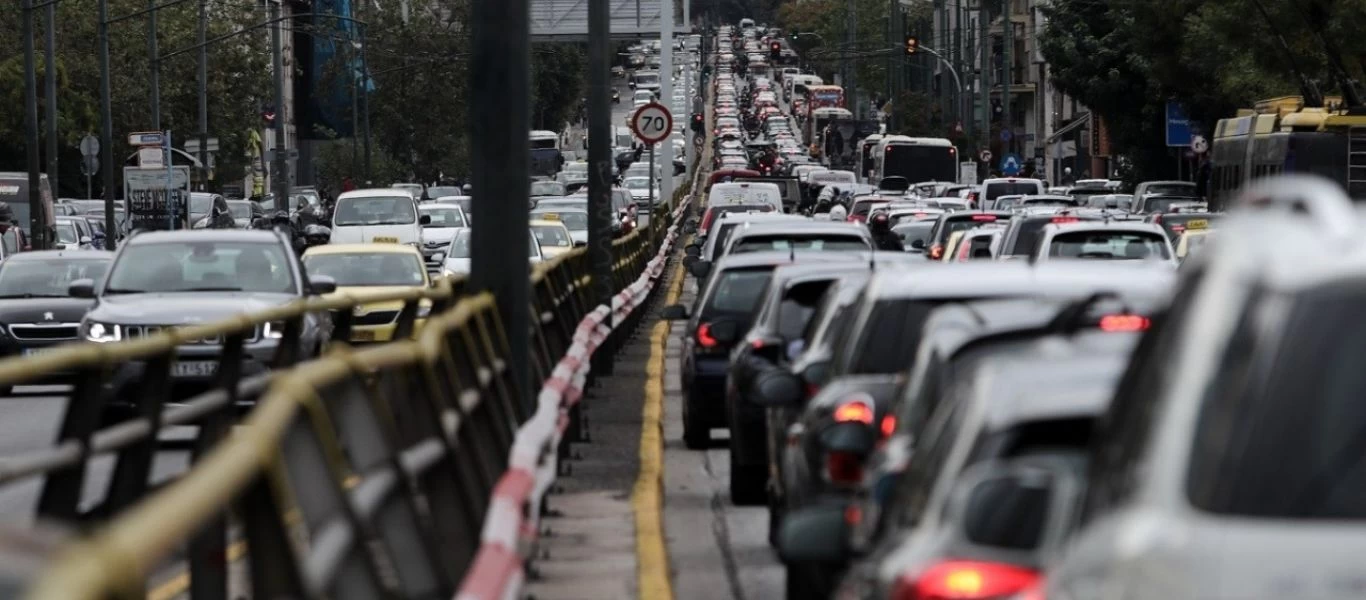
{"points": [[81, 288], [321, 284], [85, 239], [674, 312], [693, 250], [580, 244], [918, 244], [818, 534], [777, 387], [1010, 504], [700, 268]]}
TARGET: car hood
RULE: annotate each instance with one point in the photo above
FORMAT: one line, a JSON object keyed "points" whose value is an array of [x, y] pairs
{"points": [[439, 235], [457, 265], [43, 310], [181, 308]]}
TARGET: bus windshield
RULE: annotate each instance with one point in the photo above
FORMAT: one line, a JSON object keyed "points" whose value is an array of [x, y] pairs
{"points": [[920, 163]]}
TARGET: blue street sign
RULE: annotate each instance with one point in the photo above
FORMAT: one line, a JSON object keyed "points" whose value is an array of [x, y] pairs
{"points": [[1010, 164], [1178, 125], [1006, 134]]}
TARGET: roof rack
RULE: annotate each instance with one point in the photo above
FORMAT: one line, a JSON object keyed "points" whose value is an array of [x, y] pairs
{"points": [[1319, 198]]}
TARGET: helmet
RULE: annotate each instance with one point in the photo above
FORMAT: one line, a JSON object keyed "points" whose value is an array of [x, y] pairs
{"points": [[879, 222], [280, 218], [317, 235]]}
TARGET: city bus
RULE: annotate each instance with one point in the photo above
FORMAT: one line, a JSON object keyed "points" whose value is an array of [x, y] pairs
{"points": [[918, 159], [546, 155]]}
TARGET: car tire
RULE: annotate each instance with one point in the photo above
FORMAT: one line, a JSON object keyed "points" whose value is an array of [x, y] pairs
{"points": [[696, 430], [748, 483]]}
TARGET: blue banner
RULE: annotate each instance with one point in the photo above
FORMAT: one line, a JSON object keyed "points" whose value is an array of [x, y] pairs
{"points": [[1178, 125]]}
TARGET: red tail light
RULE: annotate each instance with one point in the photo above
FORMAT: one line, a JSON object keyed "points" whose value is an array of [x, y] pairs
{"points": [[1178, 228], [936, 252], [970, 580], [984, 217], [854, 412], [888, 425], [704, 336], [1124, 323], [843, 467], [1066, 220]]}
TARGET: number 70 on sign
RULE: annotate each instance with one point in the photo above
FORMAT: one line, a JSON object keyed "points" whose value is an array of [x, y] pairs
{"points": [[652, 123]]}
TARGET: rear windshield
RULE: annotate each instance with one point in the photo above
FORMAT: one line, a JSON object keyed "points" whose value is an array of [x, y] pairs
{"points": [[964, 224], [881, 354], [1164, 204], [863, 207], [737, 292], [716, 211], [826, 243], [996, 190], [911, 233], [1281, 436], [1027, 236], [1108, 245]]}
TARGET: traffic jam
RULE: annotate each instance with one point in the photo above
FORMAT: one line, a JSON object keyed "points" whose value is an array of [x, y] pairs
{"points": [[1008, 389]]}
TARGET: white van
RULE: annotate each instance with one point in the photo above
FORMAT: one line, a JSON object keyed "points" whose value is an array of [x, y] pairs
{"points": [[377, 215], [992, 189], [746, 192]]}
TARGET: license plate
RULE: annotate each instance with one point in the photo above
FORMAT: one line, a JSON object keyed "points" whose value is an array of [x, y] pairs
{"points": [[195, 368], [384, 239], [362, 336], [37, 351]]}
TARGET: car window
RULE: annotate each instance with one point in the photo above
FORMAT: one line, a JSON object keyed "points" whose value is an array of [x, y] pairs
{"points": [[375, 210], [200, 203], [1108, 245], [786, 242], [881, 354], [1173, 189], [460, 245], [369, 268], [575, 221], [1028, 232], [198, 266], [551, 235], [1161, 205], [952, 226], [47, 277], [240, 210], [1287, 444], [737, 292], [1016, 188], [66, 233], [444, 217]]}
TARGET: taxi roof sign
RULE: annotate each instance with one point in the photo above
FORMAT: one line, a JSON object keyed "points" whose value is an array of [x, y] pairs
{"points": [[1197, 224], [549, 216]]}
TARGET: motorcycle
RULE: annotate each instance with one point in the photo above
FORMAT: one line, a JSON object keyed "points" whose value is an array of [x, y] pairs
{"points": [[616, 96]]}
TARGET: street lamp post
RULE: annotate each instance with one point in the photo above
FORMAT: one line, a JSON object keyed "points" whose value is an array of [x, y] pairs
{"points": [[36, 225], [50, 77]]}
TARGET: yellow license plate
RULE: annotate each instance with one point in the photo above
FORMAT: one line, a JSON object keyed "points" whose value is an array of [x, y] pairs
{"points": [[362, 336], [384, 239], [1197, 224]]}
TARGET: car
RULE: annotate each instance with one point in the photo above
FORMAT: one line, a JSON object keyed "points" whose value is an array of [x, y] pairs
{"points": [[1192, 242], [76, 233], [458, 258], [1104, 240], [164, 279], [210, 211], [374, 267], [722, 228], [986, 194], [37, 311], [1176, 223], [824, 236], [949, 223], [575, 220], [553, 237], [641, 187], [981, 243], [550, 188], [1023, 231], [444, 219], [245, 213]]}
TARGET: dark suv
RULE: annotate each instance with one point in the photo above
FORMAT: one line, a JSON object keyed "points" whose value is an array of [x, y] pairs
{"points": [[166, 279]]}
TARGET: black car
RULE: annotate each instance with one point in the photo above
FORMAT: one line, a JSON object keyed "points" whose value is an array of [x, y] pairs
{"points": [[165, 279], [37, 311], [210, 211]]}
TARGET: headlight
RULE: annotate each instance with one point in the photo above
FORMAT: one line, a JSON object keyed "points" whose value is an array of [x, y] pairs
{"points": [[438, 257], [103, 334], [273, 330]]}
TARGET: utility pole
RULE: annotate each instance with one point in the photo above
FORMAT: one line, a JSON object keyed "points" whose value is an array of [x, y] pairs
{"points": [[280, 175], [107, 130], [365, 96], [666, 84], [1007, 73], [50, 75], [846, 74], [500, 117], [984, 71], [155, 75], [35, 198], [964, 101], [204, 94], [600, 213]]}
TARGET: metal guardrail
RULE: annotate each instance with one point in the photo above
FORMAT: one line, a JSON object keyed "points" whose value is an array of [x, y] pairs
{"points": [[366, 473]]}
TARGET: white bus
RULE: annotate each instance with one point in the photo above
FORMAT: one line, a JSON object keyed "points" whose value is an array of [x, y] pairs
{"points": [[915, 158]]}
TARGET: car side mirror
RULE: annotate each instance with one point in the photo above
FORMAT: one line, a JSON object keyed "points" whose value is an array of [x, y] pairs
{"points": [[777, 387], [85, 239], [81, 288], [693, 250], [674, 312], [818, 534], [700, 269], [918, 244], [1035, 494], [580, 244], [425, 220], [321, 284]]}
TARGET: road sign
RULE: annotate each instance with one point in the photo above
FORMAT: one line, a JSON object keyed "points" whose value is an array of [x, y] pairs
{"points": [[148, 138], [985, 155], [1010, 164], [1199, 144], [192, 145], [967, 173], [1178, 125], [652, 123], [157, 197], [90, 145], [90, 165], [151, 157], [1006, 134]]}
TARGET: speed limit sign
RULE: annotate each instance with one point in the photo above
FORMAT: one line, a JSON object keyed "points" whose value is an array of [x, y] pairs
{"points": [[652, 123]]}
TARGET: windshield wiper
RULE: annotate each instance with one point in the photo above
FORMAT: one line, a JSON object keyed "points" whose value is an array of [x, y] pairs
{"points": [[119, 291], [10, 296], [211, 289]]}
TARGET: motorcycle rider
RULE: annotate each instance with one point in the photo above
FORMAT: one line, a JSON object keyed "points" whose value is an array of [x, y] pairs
{"points": [[883, 238]]}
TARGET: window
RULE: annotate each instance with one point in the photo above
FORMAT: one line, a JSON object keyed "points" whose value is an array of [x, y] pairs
{"points": [[22, 278], [444, 217], [553, 236], [737, 292], [382, 210], [1108, 245], [932, 455], [369, 268], [67, 234], [1289, 442], [201, 266], [880, 354], [791, 242]]}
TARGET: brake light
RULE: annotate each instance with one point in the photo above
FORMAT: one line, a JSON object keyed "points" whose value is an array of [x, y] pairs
{"points": [[936, 252], [965, 579], [843, 467], [984, 217], [1178, 228], [1124, 323], [704, 336], [855, 411], [1066, 220], [888, 425], [757, 344]]}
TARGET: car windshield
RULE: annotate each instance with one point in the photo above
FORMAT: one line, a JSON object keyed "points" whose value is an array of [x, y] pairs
{"points": [[241, 209], [460, 245], [738, 292], [43, 277], [575, 221], [548, 188], [444, 216], [200, 204], [551, 235], [375, 210], [369, 268], [1108, 245], [153, 267], [66, 233], [826, 243]]}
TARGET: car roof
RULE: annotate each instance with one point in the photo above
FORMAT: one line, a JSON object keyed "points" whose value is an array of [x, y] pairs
{"points": [[263, 236], [372, 248], [1132, 226], [985, 279], [770, 258], [378, 192], [429, 205], [547, 223], [1053, 378], [45, 254], [802, 225]]}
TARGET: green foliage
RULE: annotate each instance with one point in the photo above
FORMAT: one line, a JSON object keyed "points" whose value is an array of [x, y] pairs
{"points": [[828, 19]]}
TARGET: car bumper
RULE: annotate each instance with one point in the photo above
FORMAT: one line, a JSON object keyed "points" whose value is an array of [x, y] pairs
{"points": [[705, 382]]}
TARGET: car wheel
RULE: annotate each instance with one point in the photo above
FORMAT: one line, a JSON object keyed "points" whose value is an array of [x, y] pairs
{"points": [[748, 483], [696, 431]]}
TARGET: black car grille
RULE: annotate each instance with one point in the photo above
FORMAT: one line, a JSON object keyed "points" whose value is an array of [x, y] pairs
{"points": [[133, 332], [383, 317], [53, 331]]}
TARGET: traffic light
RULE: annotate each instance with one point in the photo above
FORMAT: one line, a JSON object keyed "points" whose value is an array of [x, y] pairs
{"points": [[912, 45], [775, 50]]}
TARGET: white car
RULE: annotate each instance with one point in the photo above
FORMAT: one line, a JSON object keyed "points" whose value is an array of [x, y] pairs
{"points": [[1120, 241], [458, 259]]}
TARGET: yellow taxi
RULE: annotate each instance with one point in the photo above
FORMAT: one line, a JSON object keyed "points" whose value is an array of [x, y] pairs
{"points": [[368, 268], [1192, 240], [553, 236]]}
